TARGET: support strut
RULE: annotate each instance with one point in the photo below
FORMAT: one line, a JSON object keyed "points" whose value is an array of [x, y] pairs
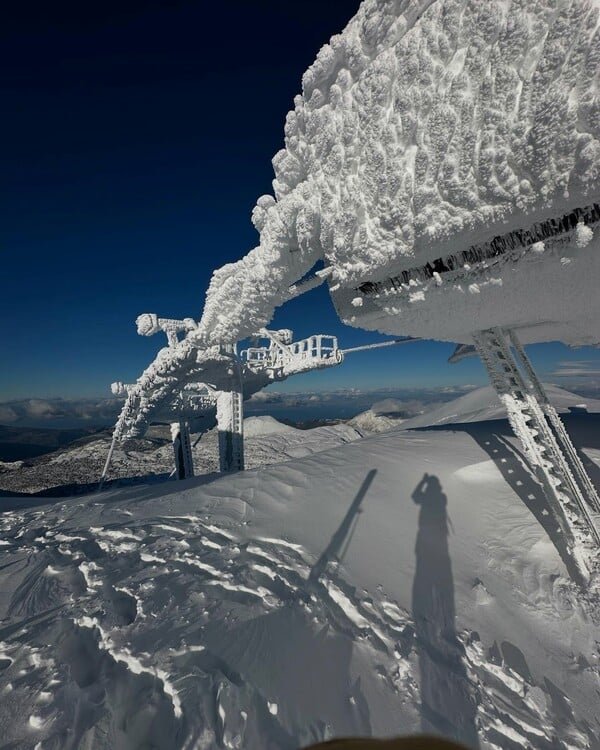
{"points": [[230, 425], [230, 418], [534, 422], [558, 428], [182, 448]]}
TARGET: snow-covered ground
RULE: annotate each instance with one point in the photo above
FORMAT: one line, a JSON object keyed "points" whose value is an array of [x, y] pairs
{"points": [[405, 581]]}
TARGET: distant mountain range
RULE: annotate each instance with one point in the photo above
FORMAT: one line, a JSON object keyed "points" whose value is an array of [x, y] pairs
{"points": [[70, 461], [17, 443]]}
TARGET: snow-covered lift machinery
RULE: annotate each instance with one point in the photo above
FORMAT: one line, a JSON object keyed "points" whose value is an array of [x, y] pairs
{"points": [[284, 357], [185, 384], [149, 323]]}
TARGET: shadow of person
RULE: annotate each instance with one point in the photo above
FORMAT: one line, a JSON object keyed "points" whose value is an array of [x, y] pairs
{"points": [[447, 705]]}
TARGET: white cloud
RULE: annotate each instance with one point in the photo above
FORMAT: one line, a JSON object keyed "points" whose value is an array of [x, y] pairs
{"points": [[265, 397], [7, 414], [576, 369], [40, 411], [40, 408]]}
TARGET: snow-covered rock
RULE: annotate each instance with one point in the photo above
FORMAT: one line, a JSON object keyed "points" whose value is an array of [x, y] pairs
{"points": [[392, 406], [265, 425], [10, 465], [371, 421]]}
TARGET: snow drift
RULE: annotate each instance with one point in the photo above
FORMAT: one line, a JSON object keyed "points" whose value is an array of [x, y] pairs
{"points": [[483, 404]]}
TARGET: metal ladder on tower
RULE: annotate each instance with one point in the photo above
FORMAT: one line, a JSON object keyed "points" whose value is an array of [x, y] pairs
{"points": [[528, 420], [237, 422], [230, 426], [230, 419]]}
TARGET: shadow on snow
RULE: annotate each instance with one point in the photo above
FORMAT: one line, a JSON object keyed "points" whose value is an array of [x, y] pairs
{"points": [[447, 703]]}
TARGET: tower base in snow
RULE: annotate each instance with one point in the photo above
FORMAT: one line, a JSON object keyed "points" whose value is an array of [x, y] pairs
{"points": [[182, 448], [547, 446]]}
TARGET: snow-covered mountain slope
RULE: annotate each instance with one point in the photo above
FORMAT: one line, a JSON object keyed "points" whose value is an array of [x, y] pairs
{"points": [[371, 421], [483, 404], [393, 584], [265, 425], [78, 467]]}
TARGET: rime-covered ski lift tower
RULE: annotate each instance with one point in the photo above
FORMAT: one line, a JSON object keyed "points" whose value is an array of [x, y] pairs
{"points": [[190, 385], [188, 407], [443, 162]]}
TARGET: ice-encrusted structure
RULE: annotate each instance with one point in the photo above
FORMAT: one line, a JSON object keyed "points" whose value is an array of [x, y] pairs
{"points": [[443, 162], [195, 388], [427, 129]]}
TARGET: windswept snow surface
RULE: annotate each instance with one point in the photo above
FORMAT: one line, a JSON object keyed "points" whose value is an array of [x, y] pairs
{"points": [[426, 127], [404, 582]]}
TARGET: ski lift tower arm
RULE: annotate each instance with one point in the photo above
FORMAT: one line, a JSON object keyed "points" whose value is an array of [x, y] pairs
{"points": [[380, 345], [149, 323], [311, 282]]}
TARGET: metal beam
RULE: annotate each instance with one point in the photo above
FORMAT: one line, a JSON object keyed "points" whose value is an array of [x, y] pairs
{"points": [[381, 344]]}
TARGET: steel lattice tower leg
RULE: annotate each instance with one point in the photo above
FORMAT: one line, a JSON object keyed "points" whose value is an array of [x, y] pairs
{"points": [[230, 424], [581, 476], [182, 447], [525, 407]]}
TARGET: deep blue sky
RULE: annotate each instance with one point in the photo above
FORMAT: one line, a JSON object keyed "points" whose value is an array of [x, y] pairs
{"points": [[137, 137]]}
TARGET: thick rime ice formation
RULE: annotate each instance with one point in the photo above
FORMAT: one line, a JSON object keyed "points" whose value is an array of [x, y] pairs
{"points": [[183, 381], [428, 129]]}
